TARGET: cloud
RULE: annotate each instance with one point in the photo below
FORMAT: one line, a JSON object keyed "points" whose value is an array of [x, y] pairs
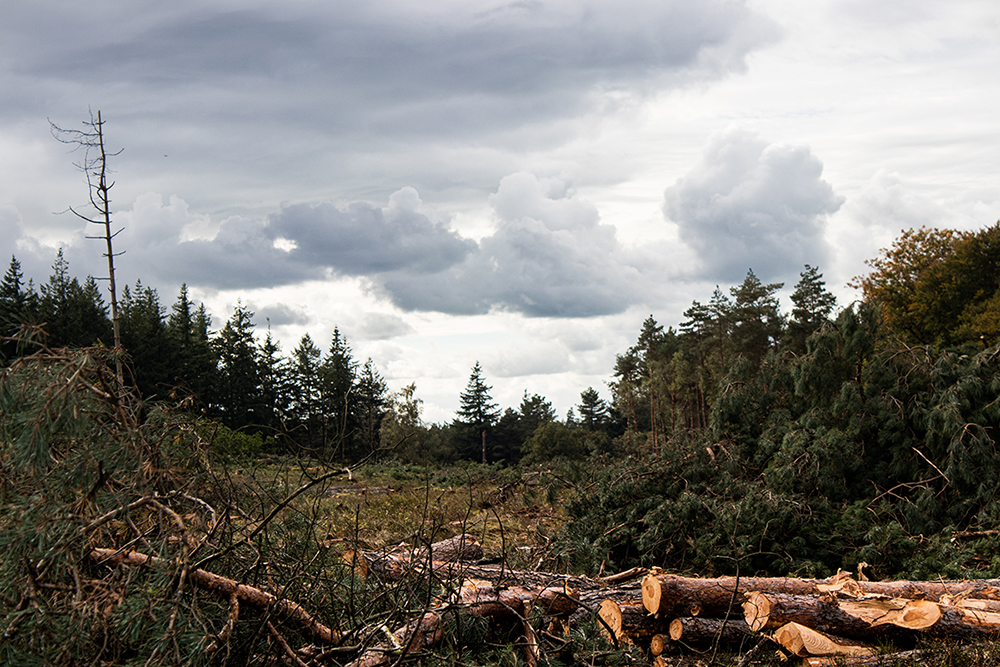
{"points": [[750, 204], [362, 239], [383, 326], [548, 257], [279, 314]]}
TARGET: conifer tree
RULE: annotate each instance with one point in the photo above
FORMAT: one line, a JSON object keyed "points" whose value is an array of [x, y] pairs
{"points": [[306, 409], [812, 305], [14, 308], [593, 410], [477, 415], [239, 396], [370, 406], [338, 374], [757, 321]]}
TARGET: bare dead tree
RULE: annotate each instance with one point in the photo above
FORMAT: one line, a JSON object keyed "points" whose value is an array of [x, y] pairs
{"points": [[95, 166]]}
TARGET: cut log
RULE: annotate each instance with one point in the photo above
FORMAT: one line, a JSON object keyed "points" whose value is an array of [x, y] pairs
{"points": [[481, 598], [945, 620], [802, 641], [865, 661], [395, 564], [226, 589], [697, 630], [629, 623], [768, 611], [672, 595], [422, 633], [460, 548], [660, 644]]}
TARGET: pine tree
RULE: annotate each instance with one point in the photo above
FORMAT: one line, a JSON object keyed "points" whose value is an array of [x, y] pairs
{"points": [[371, 405], [338, 374], [239, 396], [195, 367], [477, 415], [144, 337], [306, 409], [812, 305], [593, 410], [14, 308], [757, 321]]}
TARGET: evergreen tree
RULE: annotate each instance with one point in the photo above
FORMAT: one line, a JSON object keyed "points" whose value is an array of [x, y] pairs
{"points": [[144, 337], [338, 374], [14, 308], [371, 404], [195, 367], [477, 415], [239, 397], [757, 321], [276, 384], [812, 305], [593, 410], [306, 408]]}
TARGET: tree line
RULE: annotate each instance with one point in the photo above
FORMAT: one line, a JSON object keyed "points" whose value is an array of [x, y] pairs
{"points": [[932, 287]]}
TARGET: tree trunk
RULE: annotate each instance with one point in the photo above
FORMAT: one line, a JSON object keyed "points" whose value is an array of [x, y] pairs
{"points": [[696, 630], [768, 611], [481, 598], [672, 595], [802, 641], [629, 623], [412, 637]]}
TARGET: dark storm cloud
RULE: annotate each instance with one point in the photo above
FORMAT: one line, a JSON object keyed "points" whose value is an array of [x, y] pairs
{"points": [[300, 242], [363, 239], [748, 204], [549, 257], [397, 68]]}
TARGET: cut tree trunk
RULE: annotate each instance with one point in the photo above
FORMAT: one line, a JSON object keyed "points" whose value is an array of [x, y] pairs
{"points": [[629, 623], [412, 637], [697, 630], [395, 564], [768, 611], [944, 620], [671, 595], [481, 598], [803, 641]]}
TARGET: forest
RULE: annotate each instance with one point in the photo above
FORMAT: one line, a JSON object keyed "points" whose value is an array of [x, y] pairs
{"points": [[745, 442]]}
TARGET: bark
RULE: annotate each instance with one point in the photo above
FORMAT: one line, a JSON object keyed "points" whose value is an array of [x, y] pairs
{"points": [[228, 588], [696, 630], [412, 637], [802, 641], [395, 564], [945, 620], [629, 623], [769, 611], [672, 595], [481, 598]]}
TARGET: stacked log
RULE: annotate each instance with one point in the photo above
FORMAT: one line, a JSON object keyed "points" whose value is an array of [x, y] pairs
{"points": [[818, 619]]}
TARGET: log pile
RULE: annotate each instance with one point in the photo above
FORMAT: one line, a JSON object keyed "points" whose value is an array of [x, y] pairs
{"points": [[824, 622]]}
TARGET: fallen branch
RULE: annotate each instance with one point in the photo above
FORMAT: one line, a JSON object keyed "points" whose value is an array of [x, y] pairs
{"points": [[227, 588]]}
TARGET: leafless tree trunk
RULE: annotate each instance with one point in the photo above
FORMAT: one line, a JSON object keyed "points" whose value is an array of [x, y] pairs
{"points": [[95, 166]]}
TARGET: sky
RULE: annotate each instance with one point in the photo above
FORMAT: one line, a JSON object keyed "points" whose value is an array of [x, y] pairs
{"points": [[515, 183]]}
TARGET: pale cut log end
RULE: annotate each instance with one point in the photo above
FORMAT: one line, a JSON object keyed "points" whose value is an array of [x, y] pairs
{"points": [[756, 610], [652, 593]]}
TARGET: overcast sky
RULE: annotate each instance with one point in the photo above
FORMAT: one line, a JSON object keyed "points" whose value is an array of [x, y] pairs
{"points": [[518, 183]]}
